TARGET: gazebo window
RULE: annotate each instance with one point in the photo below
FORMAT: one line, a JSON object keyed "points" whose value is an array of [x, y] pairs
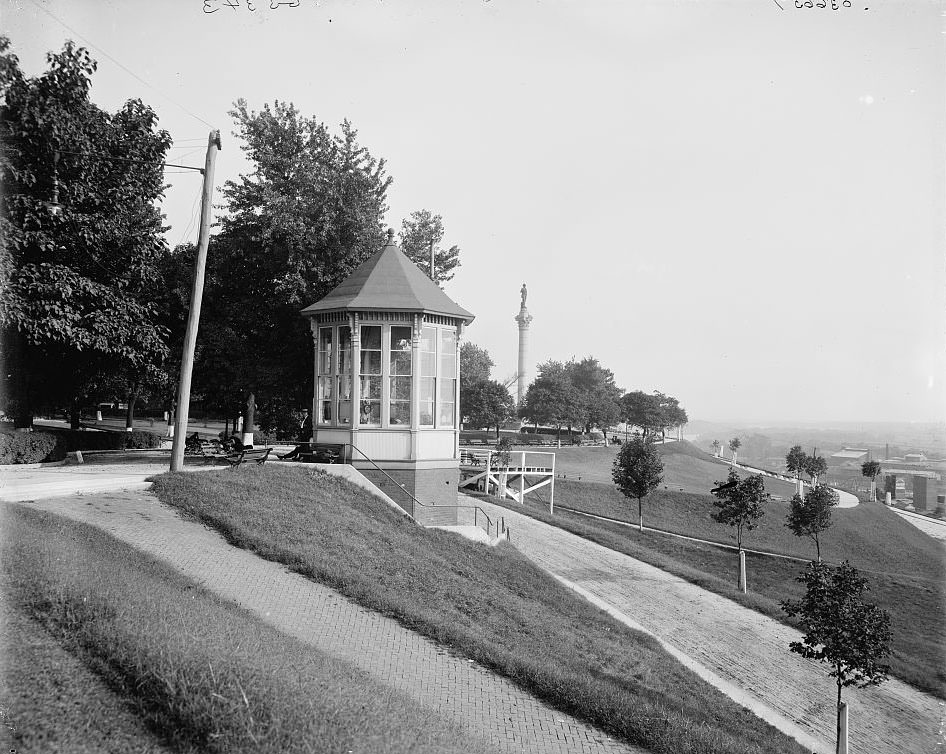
{"points": [[325, 379], [371, 374], [400, 376], [447, 384], [428, 374], [344, 375]]}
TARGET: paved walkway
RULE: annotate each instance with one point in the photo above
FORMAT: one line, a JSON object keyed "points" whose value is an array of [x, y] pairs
{"points": [[743, 652], [488, 706]]}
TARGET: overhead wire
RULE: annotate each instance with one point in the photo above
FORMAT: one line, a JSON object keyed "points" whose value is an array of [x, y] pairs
{"points": [[119, 64]]}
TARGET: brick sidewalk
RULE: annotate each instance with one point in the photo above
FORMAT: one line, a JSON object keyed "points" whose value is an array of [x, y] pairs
{"points": [[490, 707], [745, 653]]}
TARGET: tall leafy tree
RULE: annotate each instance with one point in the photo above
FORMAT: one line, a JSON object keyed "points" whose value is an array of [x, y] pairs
{"points": [[796, 460], [810, 515], [734, 445], [597, 392], [815, 466], [637, 471], [486, 403], [80, 237], [653, 413], [475, 363], [306, 214], [419, 232], [840, 628], [739, 502], [871, 470], [553, 399]]}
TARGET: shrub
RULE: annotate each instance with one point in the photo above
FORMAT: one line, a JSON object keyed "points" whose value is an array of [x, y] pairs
{"points": [[139, 439], [31, 447]]}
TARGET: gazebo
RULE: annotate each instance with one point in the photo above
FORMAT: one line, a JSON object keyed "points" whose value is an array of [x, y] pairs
{"points": [[386, 343]]}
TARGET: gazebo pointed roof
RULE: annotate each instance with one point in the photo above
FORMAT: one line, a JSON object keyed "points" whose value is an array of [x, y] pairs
{"points": [[389, 281]]}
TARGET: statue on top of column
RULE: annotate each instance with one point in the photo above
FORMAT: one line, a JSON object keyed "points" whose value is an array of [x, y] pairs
{"points": [[524, 293]]}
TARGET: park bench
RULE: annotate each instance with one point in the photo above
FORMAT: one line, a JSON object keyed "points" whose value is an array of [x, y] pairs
{"points": [[247, 455], [471, 458], [314, 452]]}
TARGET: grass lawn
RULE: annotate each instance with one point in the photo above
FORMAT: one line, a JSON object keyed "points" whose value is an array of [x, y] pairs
{"points": [[490, 604], [686, 468], [53, 702], [206, 674], [905, 567]]}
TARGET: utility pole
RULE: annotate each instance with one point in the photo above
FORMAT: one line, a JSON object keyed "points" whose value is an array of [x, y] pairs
{"points": [[193, 316]]}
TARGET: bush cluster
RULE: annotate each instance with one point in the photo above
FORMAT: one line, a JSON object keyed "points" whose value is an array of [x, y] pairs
{"points": [[31, 447]]}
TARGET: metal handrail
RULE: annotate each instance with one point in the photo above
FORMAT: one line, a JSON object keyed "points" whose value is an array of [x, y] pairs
{"points": [[415, 501]]}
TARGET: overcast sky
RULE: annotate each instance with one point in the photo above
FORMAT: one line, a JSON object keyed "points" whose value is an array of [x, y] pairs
{"points": [[736, 204]]}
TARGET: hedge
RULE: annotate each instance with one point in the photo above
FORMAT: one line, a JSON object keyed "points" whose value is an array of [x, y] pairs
{"points": [[31, 447]]}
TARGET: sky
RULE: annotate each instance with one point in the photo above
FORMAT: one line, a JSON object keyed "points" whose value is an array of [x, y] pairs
{"points": [[738, 203]]}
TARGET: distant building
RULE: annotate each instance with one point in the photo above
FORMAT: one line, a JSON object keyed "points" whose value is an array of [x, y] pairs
{"points": [[914, 458], [849, 457]]}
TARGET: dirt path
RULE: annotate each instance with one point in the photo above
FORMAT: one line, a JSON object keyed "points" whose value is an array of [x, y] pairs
{"points": [[743, 652]]}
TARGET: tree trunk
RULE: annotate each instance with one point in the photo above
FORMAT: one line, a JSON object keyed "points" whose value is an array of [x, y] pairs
{"points": [[837, 746], [130, 411], [74, 414], [818, 548], [17, 389], [640, 514]]}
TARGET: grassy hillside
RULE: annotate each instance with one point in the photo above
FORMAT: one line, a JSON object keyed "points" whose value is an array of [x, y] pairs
{"points": [[686, 468], [133, 646], [490, 604], [906, 568]]}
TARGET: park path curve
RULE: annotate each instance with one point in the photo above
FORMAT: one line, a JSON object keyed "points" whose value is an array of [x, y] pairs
{"points": [[741, 651], [488, 706]]}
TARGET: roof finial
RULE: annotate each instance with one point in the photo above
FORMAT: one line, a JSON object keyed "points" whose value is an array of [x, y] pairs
{"points": [[390, 236]]}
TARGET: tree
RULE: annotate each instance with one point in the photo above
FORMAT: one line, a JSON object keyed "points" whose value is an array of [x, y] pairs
{"points": [[475, 363], [734, 446], [811, 515], [796, 460], [840, 629], [553, 399], [815, 466], [637, 470], [485, 403], [308, 212], [652, 413], [739, 502], [418, 232], [717, 446], [80, 237], [597, 393], [871, 470]]}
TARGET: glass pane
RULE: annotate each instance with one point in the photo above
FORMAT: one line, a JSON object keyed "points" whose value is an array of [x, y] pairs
{"points": [[344, 388], [427, 413], [325, 416], [400, 388], [370, 412], [325, 362], [401, 339], [400, 412], [371, 388], [371, 337], [448, 354], [325, 400], [371, 362], [344, 412], [325, 388], [427, 401], [400, 362], [428, 364], [344, 350], [446, 415], [428, 339], [325, 338], [447, 390]]}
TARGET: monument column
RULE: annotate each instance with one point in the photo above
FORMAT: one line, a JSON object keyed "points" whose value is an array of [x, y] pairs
{"points": [[523, 318]]}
